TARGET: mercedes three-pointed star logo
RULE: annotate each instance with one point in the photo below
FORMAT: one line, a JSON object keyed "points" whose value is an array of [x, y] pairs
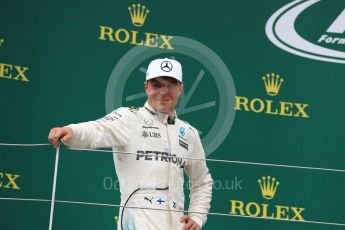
{"points": [[166, 66]]}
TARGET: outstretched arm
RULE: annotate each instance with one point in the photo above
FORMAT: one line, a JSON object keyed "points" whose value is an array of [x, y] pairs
{"points": [[109, 131]]}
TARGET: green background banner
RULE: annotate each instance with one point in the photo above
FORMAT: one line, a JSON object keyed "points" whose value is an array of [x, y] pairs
{"points": [[65, 62]]}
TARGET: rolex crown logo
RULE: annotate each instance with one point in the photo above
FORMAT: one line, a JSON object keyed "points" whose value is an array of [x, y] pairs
{"points": [[138, 14], [272, 83], [268, 186], [1, 41]]}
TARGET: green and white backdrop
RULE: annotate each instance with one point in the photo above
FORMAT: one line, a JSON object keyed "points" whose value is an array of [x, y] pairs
{"points": [[264, 85]]}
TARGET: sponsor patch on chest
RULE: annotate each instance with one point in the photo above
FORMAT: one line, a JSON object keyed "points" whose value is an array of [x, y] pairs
{"points": [[146, 134], [183, 144]]}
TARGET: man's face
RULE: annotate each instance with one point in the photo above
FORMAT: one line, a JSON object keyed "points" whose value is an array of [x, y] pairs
{"points": [[163, 94]]}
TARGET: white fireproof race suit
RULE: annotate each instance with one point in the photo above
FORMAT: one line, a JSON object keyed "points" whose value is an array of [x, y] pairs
{"points": [[152, 177]]}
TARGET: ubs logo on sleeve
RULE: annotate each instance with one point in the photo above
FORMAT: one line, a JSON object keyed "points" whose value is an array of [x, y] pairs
{"points": [[146, 134]]}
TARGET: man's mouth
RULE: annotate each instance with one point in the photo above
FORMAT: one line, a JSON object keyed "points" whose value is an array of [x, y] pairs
{"points": [[163, 100]]}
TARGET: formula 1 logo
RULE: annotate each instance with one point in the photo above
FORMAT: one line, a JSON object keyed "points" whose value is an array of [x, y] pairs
{"points": [[324, 42]]}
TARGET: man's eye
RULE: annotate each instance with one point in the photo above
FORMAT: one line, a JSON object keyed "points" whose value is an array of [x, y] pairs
{"points": [[156, 85]]}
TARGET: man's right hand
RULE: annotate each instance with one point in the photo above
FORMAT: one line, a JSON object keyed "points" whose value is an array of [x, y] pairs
{"points": [[65, 133]]}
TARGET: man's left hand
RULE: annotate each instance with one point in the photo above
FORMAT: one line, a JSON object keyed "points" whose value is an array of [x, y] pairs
{"points": [[190, 224]]}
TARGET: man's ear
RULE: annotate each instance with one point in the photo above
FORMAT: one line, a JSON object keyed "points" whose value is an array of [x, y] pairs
{"points": [[145, 85], [181, 88]]}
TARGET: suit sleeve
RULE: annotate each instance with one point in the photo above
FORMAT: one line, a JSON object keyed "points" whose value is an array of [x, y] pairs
{"points": [[113, 130], [200, 184]]}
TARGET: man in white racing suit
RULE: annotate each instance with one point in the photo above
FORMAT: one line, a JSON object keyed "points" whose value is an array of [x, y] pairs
{"points": [[152, 150]]}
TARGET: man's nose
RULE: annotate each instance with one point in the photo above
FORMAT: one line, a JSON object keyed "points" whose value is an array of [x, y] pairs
{"points": [[164, 89]]}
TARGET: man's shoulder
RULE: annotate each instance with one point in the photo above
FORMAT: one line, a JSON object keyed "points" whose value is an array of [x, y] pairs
{"points": [[126, 110], [121, 113]]}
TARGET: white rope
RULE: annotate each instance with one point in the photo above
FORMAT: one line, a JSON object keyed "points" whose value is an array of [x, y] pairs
{"points": [[172, 210], [54, 189], [190, 158], [24, 145], [214, 160]]}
